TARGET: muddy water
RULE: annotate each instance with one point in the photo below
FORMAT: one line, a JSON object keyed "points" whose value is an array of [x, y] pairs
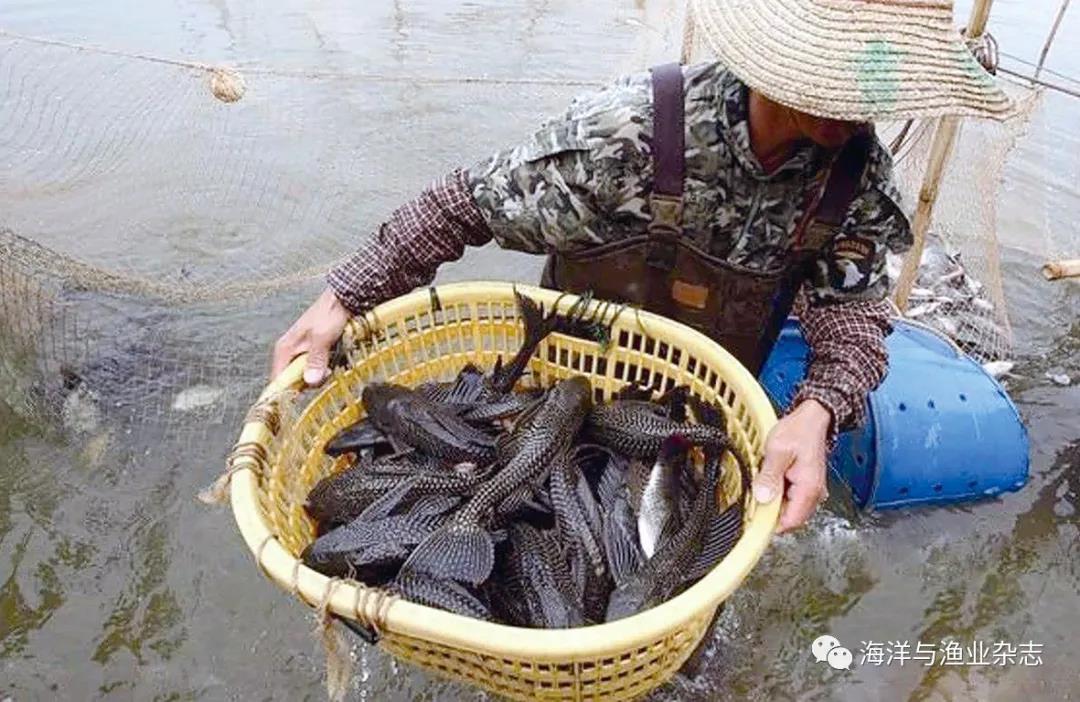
{"points": [[116, 585]]}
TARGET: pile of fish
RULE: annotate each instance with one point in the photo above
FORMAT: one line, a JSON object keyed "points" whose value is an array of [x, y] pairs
{"points": [[948, 298], [539, 508]]}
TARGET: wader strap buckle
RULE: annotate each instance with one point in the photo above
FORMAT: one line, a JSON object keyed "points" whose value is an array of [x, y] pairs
{"points": [[669, 166], [664, 230]]}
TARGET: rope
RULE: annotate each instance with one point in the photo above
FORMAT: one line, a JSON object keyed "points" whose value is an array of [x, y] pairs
{"points": [[79, 275], [251, 69], [1038, 81], [381, 601], [255, 453], [266, 412], [335, 646], [1050, 37]]}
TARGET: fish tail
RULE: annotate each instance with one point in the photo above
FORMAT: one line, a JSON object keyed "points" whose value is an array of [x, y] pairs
{"points": [[460, 551], [537, 324]]}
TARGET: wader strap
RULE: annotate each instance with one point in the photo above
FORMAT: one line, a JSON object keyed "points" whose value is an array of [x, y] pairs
{"points": [[823, 218], [669, 165]]}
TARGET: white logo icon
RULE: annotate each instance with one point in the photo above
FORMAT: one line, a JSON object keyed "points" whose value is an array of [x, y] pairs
{"points": [[827, 649], [840, 658]]}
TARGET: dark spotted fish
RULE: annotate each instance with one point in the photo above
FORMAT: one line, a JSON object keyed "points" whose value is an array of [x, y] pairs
{"points": [[662, 576], [658, 514], [508, 406], [580, 527], [370, 547], [577, 515], [463, 549], [426, 425], [340, 498], [533, 573], [358, 438], [724, 529], [440, 593], [637, 429]]}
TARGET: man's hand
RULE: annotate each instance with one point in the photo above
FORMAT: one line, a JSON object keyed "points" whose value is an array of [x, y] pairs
{"points": [[794, 464], [315, 333]]}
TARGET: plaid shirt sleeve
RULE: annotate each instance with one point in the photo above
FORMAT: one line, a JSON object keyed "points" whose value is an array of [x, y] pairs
{"points": [[418, 237], [847, 342]]}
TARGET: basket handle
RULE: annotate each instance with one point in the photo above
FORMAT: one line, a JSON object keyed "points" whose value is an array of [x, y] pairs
{"points": [[292, 378]]}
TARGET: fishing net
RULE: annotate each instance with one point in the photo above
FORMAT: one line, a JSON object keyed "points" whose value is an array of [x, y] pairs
{"points": [[959, 287], [163, 220]]}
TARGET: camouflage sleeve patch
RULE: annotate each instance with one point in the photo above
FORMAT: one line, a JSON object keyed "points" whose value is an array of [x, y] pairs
{"points": [[852, 266]]}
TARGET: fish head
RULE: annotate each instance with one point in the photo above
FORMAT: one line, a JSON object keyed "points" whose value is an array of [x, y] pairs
{"points": [[573, 393], [377, 396]]}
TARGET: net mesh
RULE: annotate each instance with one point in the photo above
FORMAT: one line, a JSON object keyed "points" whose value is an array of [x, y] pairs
{"points": [[155, 237]]}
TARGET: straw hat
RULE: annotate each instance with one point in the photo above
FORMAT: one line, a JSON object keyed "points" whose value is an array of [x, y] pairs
{"points": [[859, 60]]}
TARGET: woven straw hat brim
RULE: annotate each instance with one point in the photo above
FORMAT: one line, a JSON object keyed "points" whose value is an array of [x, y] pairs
{"points": [[858, 60]]}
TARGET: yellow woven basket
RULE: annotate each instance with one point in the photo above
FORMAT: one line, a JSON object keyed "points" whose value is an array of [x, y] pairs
{"points": [[429, 335]]}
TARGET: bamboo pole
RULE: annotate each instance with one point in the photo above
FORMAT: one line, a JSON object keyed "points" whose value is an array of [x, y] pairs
{"points": [[1055, 270], [944, 139], [1050, 39]]}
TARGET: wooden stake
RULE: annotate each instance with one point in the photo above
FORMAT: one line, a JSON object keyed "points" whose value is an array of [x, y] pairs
{"points": [[1055, 270], [1050, 39], [944, 138]]}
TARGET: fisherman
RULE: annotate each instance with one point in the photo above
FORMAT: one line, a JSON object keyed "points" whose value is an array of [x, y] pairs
{"points": [[712, 194]]}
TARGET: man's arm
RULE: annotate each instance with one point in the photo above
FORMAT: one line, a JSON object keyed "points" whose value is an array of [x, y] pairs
{"points": [[432, 229], [846, 316], [845, 319], [418, 237], [540, 196], [849, 359]]}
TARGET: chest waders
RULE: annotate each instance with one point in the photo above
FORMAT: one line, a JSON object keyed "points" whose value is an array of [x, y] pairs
{"points": [[665, 272]]}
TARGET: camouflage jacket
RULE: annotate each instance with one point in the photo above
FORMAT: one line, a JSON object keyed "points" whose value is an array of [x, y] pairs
{"points": [[584, 179]]}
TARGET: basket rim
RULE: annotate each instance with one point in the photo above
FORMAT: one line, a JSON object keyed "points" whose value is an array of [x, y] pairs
{"points": [[349, 599]]}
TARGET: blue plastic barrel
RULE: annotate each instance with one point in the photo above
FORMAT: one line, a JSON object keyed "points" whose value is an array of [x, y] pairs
{"points": [[938, 429]]}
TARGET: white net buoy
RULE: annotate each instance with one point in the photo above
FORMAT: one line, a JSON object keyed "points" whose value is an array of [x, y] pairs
{"points": [[227, 85]]}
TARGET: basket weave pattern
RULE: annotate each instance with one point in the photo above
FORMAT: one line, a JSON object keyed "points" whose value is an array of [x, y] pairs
{"points": [[477, 322]]}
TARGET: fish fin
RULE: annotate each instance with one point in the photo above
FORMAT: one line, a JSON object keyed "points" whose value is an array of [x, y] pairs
{"points": [[588, 503], [385, 503], [434, 505], [524, 497], [398, 446], [460, 551], [637, 477], [610, 482], [721, 534], [623, 551], [355, 438], [671, 526], [448, 428], [536, 327], [707, 413], [468, 385]]}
